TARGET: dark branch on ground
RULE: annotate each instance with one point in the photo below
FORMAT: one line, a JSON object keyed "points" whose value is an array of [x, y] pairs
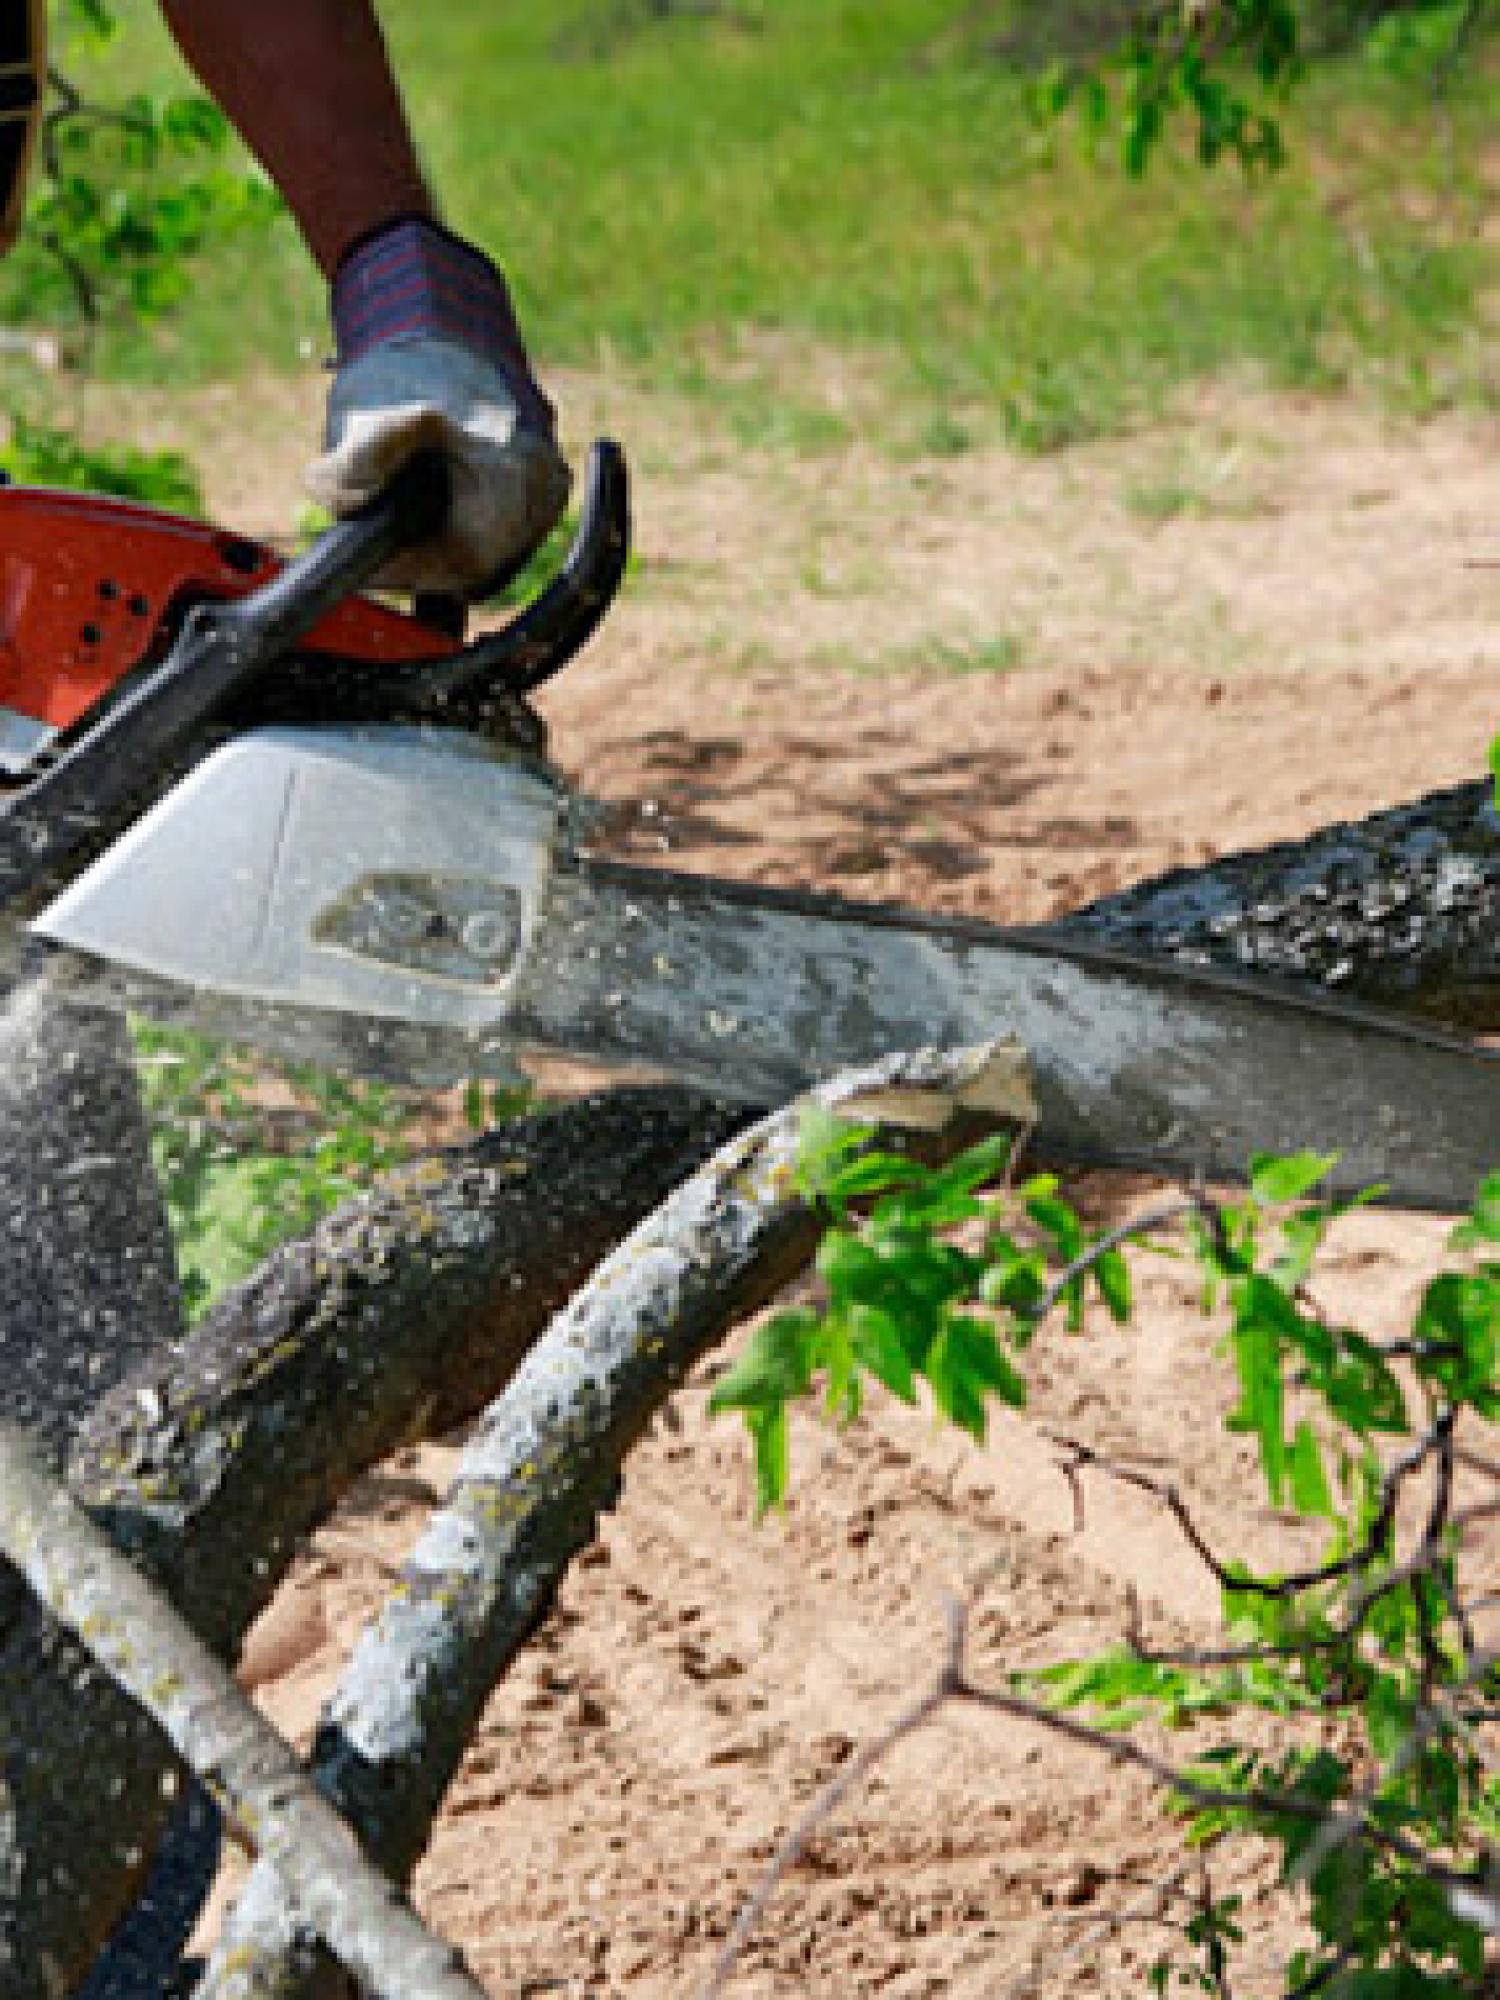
{"points": [[1401, 910]]}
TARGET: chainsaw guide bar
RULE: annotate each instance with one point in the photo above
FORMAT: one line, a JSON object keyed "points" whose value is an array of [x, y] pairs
{"points": [[266, 807]]}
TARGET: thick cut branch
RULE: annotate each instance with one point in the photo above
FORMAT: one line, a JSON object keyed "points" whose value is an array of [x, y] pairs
{"points": [[404, 1312], [1401, 910], [88, 1290], [547, 1461], [147, 1649]]}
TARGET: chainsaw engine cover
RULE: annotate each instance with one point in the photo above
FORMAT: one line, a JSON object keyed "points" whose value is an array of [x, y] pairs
{"points": [[378, 873], [94, 589]]}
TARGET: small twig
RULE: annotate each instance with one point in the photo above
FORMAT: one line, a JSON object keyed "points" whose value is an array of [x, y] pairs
{"points": [[1218, 1967], [954, 1685], [1377, 1539], [1430, 1546], [1124, 1232], [827, 1803]]}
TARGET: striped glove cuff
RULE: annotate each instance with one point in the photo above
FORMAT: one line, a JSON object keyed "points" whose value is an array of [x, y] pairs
{"points": [[413, 280]]}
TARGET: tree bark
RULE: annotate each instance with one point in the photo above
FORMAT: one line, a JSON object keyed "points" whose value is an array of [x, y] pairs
{"points": [[1401, 910], [88, 1279], [77, 1574], [402, 1314], [88, 1291], [547, 1460]]}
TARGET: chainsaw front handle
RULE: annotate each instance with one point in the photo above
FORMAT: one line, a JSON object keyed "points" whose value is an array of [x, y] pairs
{"points": [[239, 655], [346, 558], [557, 624], [463, 688]]}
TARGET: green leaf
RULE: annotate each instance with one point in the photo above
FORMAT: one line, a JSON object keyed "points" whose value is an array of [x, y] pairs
{"points": [[1389, 1715], [870, 1173], [777, 1365], [825, 1144], [949, 1196], [1055, 1218], [1302, 1237], [1260, 1312], [850, 1267], [768, 1431], [1112, 1276], [964, 1364], [835, 1353], [1290, 1177], [1013, 1278], [1483, 1224], [1459, 1317], [1310, 1494], [880, 1348], [1360, 1388]]}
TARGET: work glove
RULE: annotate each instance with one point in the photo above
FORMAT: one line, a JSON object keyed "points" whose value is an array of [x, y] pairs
{"points": [[429, 354]]}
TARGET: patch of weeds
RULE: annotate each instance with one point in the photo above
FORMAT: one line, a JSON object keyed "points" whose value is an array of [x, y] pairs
{"points": [[1054, 407], [797, 427], [1001, 653], [42, 454], [998, 653], [251, 1152], [942, 435], [602, 30], [1197, 486], [734, 653], [763, 417], [1162, 499]]}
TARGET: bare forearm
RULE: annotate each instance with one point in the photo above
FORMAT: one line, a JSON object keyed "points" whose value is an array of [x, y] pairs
{"points": [[308, 85]]}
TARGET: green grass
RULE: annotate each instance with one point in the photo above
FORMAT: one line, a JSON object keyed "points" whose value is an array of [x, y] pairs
{"points": [[668, 193]]}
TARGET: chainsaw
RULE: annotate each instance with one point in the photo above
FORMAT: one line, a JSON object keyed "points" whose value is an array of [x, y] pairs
{"points": [[240, 794]]}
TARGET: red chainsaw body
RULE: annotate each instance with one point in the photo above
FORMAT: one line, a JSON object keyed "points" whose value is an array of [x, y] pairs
{"points": [[92, 588]]}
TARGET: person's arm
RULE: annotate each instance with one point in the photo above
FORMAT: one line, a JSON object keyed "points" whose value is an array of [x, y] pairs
{"points": [[428, 352], [308, 85]]}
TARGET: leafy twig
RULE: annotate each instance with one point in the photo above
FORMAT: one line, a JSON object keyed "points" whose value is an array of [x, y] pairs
{"points": [[953, 1684]]}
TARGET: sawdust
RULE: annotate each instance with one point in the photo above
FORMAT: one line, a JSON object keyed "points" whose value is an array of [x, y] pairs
{"points": [[981, 684]]}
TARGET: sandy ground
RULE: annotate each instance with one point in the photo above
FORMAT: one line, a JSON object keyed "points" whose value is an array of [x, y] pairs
{"points": [[981, 684]]}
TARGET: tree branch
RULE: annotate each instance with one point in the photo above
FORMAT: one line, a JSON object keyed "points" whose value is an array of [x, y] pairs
{"points": [[130, 1628], [404, 1312], [1401, 910], [547, 1461]]}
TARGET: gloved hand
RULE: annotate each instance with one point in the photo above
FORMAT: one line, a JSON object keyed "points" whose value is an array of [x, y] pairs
{"points": [[429, 354]]}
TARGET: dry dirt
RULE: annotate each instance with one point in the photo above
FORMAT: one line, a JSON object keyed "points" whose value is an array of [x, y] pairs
{"points": [[982, 684]]}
